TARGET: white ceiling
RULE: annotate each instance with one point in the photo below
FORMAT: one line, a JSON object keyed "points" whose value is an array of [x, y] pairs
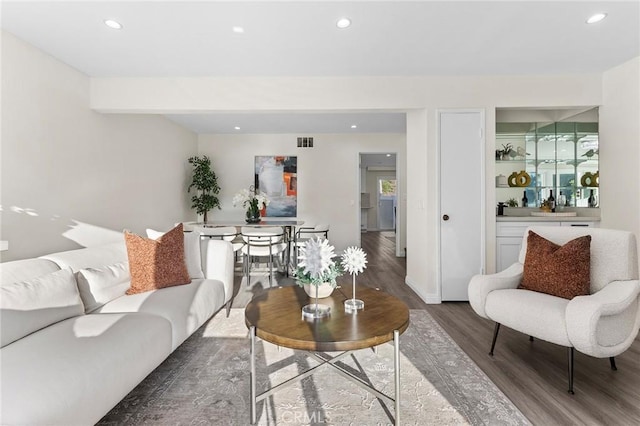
{"points": [[387, 38], [387, 161]]}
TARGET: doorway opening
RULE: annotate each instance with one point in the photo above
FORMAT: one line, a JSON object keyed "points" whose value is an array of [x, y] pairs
{"points": [[379, 195]]}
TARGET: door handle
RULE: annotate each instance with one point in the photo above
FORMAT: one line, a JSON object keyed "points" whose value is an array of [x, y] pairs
{"points": [[445, 217]]}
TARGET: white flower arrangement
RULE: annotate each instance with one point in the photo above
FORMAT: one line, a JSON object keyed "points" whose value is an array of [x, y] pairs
{"points": [[354, 260], [250, 198], [317, 265]]}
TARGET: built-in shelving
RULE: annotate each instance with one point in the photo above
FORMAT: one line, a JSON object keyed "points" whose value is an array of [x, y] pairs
{"points": [[555, 155]]}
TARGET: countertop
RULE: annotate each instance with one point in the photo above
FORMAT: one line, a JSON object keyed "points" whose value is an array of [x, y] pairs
{"points": [[547, 219], [523, 214]]}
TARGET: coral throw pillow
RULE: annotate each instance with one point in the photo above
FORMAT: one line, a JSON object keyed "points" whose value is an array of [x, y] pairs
{"points": [[562, 271], [157, 263]]}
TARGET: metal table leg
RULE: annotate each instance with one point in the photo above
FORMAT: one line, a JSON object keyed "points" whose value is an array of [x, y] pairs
{"points": [[252, 337], [288, 254], [323, 361], [291, 237], [396, 362]]}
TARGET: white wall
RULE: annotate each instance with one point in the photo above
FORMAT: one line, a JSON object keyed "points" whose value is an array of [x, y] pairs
{"points": [[420, 97], [202, 94], [620, 147], [72, 177], [421, 220], [328, 174]]}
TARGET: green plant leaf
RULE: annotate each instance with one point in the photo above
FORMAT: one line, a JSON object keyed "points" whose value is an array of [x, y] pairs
{"points": [[205, 183]]}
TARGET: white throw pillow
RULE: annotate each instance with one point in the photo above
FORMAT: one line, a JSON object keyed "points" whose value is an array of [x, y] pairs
{"points": [[28, 306], [101, 285], [191, 251]]}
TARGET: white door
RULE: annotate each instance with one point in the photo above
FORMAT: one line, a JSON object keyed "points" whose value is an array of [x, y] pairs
{"points": [[461, 200]]}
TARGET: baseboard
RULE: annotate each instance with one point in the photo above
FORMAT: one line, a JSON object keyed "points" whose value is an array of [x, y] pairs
{"points": [[428, 298]]}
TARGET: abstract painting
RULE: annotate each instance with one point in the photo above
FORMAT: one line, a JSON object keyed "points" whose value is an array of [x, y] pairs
{"points": [[277, 176]]}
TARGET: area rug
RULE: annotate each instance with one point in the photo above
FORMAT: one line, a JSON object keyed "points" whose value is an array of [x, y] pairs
{"points": [[206, 381]]}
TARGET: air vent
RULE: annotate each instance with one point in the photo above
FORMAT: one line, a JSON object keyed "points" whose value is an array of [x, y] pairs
{"points": [[305, 142]]}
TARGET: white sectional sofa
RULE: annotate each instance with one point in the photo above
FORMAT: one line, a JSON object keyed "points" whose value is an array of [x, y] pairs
{"points": [[74, 345]]}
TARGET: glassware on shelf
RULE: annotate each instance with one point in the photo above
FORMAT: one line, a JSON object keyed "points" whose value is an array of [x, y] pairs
{"points": [[561, 202], [593, 200], [551, 201]]}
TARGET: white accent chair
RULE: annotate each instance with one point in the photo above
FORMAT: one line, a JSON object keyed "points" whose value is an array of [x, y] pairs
{"points": [[262, 242], [602, 324]]}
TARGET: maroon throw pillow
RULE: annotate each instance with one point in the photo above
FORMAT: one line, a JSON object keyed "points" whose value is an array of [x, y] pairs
{"points": [[157, 263], [562, 271]]}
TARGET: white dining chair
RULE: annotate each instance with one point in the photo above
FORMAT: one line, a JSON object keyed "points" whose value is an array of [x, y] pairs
{"points": [[262, 242], [226, 233], [306, 233]]}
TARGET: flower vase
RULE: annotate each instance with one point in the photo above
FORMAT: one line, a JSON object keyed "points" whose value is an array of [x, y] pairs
{"points": [[315, 310], [353, 304], [253, 216], [324, 290]]}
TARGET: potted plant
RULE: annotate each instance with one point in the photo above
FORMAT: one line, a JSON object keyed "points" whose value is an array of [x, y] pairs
{"points": [[512, 202], [205, 183], [506, 151], [317, 271], [254, 201]]}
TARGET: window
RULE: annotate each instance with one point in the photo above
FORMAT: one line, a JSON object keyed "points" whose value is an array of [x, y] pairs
{"points": [[387, 187]]}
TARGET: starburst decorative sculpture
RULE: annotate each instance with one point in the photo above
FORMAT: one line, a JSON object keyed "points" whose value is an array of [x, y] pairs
{"points": [[317, 262], [354, 260], [317, 257]]}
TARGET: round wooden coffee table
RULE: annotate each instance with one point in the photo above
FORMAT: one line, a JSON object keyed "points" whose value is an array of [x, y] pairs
{"points": [[275, 316]]}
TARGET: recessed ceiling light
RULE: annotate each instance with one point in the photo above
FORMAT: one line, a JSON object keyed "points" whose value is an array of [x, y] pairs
{"points": [[343, 23], [113, 24], [388, 155], [353, 126], [237, 128], [596, 18], [238, 30]]}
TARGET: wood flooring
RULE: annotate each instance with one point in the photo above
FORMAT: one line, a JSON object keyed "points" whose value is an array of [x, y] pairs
{"points": [[532, 374]]}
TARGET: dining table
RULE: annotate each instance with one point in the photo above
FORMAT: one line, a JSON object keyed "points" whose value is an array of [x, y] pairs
{"points": [[289, 227]]}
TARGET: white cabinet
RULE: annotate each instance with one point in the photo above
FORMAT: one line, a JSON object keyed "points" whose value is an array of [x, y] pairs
{"points": [[509, 239], [580, 224], [507, 250]]}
